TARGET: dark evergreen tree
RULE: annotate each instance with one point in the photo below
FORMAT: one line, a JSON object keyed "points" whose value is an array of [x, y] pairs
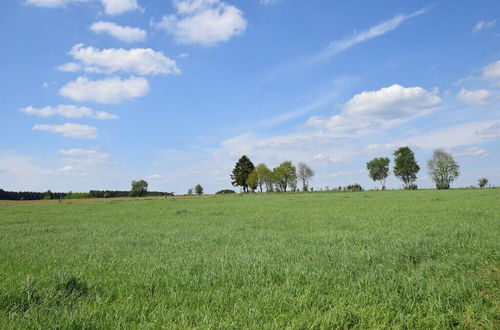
{"points": [[241, 171]]}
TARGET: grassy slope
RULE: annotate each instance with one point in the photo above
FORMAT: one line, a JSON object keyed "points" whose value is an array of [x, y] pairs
{"points": [[418, 259]]}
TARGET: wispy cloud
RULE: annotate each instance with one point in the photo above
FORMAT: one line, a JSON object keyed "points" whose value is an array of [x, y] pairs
{"points": [[378, 30], [483, 25]]}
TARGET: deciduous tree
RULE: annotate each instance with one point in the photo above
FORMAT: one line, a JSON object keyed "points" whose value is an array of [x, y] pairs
{"points": [[285, 175], [139, 188], [378, 169], [304, 174], [406, 167], [443, 169]]}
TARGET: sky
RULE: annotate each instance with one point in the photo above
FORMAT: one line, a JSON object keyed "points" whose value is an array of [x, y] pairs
{"points": [[97, 93]]}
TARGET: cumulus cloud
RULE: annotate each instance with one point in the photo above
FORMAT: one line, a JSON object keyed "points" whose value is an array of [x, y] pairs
{"points": [[108, 90], [141, 61], [68, 111], [381, 108], [203, 22], [475, 97], [123, 33], [111, 7], [483, 25], [85, 156], [69, 130]]}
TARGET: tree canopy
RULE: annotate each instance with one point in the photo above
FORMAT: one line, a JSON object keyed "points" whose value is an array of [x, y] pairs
{"points": [[139, 188], [406, 167], [443, 169], [378, 169], [285, 175]]}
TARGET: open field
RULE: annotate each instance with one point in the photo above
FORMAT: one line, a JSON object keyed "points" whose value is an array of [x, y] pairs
{"points": [[413, 259]]}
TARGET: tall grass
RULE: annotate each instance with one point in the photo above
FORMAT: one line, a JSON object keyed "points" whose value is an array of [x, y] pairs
{"points": [[401, 259]]}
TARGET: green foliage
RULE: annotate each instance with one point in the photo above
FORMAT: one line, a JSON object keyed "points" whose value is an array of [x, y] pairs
{"points": [[190, 191], [483, 182], [378, 169], [353, 187], [285, 175], [425, 260], [139, 188], [72, 195], [406, 167], [198, 189], [443, 169], [252, 180], [48, 195], [304, 174], [241, 171], [225, 191], [264, 176]]}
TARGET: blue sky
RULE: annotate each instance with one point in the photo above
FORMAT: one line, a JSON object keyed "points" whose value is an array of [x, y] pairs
{"points": [[97, 93]]}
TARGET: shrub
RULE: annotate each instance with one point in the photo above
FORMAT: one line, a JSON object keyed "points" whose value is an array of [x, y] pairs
{"points": [[353, 187], [225, 191]]}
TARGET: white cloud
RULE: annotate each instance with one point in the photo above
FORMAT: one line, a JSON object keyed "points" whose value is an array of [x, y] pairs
{"points": [[155, 176], [358, 37], [141, 61], [123, 33], [111, 7], [109, 90], [87, 157], [268, 2], [386, 107], [69, 130], [467, 151], [203, 22], [381, 148], [456, 136], [69, 111], [477, 97], [483, 25], [492, 71]]}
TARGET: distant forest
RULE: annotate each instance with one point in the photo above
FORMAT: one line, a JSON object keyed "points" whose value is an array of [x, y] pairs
{"points": [[31, 195]]}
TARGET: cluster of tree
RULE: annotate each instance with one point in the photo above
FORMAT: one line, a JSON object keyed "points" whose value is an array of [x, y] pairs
{"points": [[198, 190], [282, 178], [139, 189], [443, 169], [29, 195]]}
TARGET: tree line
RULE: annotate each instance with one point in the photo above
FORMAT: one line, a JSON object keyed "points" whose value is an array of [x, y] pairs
{"points": [[442, 167], [284, 177]]}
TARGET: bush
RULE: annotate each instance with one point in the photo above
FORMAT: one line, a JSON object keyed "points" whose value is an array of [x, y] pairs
{"points": [[225, 191], [353, 187]]}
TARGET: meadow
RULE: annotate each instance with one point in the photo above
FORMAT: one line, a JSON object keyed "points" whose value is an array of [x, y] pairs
{"points": [[386, 259]]}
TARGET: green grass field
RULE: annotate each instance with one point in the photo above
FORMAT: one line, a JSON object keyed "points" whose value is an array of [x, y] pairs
{"points": [[398, 259]]}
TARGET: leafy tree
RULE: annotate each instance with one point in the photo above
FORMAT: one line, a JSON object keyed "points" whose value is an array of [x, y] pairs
{"points": [[285, 175], [406, 167], [198, 189], [443, 169], [264, 176], [483, 182], [241, 171], [48, 195], [378, 169], [190, 191], [139, 188], [252, 180], [304, 174]]}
